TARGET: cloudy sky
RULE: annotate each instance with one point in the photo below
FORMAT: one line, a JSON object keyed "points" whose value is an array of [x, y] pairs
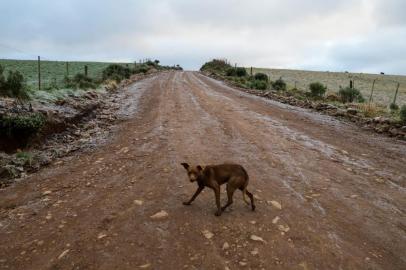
{"points": [[354, 35]]}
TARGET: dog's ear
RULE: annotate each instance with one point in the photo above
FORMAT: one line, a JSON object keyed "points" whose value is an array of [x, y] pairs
{"points": [[185, 165], [199, 168]]}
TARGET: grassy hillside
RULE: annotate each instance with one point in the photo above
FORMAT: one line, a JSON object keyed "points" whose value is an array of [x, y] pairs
{"points": [[385, 85], [52, 71]]}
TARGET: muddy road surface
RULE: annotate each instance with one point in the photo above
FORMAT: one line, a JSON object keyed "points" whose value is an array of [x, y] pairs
{"points": [[328, 195]]}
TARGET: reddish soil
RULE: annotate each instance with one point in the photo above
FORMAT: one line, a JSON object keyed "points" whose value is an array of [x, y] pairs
{"points": [[341, 190]]}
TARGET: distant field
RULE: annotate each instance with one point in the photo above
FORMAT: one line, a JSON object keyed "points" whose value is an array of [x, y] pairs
{"points": [[52, 71], [385, 85]]}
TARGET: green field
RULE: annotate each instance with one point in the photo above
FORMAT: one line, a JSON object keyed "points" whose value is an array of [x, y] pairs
{"points": [[53, 71], [384, 90]]}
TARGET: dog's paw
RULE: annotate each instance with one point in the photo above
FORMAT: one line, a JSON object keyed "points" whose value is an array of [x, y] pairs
{"points": [[186, 203]]}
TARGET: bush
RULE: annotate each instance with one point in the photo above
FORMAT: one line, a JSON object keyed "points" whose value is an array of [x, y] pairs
{"points": [[216, 65], [350, 95], [141, 69], [261, 77], [117, 72], [393, 107], [17, 126], [241, 72], [402, 113], [259, 84], [14, 85], [80, 81], [317, 89], [231, 72], [279, 85]]}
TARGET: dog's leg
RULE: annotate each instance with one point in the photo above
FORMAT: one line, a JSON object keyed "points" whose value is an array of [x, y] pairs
{"points": [[216, 190], [230, 193], [251, 198], [199, 189]]}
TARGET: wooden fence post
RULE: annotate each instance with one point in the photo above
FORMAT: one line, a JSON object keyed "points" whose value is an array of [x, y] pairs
{"points": [[67, 69], [372, 90], [396, 94], [251, 71], [39, 73], [86, 70]]}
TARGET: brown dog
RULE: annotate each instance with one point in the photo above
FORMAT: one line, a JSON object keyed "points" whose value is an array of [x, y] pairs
{"points": [[213, 176]]}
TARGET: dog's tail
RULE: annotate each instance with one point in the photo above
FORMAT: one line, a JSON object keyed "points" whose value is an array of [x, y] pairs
{"points": [[244, 191]]}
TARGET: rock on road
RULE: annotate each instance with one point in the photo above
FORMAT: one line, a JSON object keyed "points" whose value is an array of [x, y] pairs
{"points": [[329, 195]]}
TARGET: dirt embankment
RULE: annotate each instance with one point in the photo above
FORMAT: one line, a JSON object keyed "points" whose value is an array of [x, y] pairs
{"points": [[71, 124], [329, 195]]}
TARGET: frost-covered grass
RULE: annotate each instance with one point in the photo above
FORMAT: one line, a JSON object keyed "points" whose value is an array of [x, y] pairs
{"points": [[58, 94]]}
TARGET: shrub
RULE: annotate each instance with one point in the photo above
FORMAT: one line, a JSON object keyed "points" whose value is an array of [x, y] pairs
{"points": [[24, 157], [393, 107], [216, 65], [241, 72], [279, 85], [117, 72], [402, 113], [14, 85], [317, 89], [141, 69], [350, 95], [258, 84], [82, 81], [21, 126], [261, 77], [231, 72]]}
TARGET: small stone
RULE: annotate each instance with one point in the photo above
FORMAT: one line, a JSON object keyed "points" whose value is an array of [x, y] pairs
{"points": [[63, 254], [283, 228], [138, 202], [275, 220], [257, 238], [226, 246], [242, 263], [253, 222], [46, 192], [160, 215], [101, 235], [275, 204], [48, 217], [207, 234], [354, 196], [40, 242], [254, 252], [144, 266]]}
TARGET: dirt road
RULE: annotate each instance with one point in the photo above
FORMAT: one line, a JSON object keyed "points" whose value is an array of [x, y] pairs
{"points": [[329, 195]]}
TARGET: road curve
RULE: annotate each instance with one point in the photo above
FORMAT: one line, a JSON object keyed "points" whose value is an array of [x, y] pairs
{"points": [[329, 195]]}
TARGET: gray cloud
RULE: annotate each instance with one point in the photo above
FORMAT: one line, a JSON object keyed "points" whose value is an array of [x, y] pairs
{"points": [[358, 35]]}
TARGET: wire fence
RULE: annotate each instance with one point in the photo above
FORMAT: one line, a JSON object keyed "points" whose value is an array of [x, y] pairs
{"points": [[46, 74], [383, 87]]}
